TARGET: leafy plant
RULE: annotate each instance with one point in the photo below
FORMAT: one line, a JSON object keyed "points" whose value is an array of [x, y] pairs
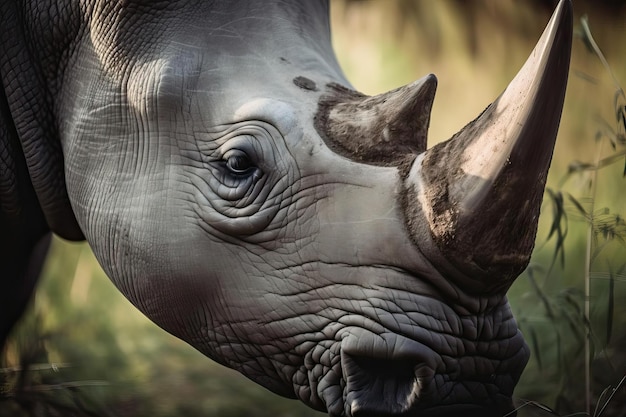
{"points": [[569, 329]]}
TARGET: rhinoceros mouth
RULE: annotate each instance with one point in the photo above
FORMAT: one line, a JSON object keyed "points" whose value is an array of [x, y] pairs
{"points": [[413, 360], [405, 377]]}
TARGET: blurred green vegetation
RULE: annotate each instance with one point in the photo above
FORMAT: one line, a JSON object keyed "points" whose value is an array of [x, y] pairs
{"points": [[84, 350]]}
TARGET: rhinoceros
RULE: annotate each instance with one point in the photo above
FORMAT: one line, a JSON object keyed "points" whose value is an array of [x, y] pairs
{"points": [[242, 195]]}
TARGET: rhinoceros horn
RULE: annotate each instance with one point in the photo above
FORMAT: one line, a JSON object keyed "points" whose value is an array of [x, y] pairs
{"points": [[382, 129], [481, 190], [471, 203]]}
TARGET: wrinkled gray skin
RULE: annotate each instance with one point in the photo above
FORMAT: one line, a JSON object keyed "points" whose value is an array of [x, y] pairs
{"points": [[244, 198]]}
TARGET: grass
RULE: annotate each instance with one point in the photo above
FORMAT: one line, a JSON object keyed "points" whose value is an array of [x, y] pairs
{"points": [[568, 314]]}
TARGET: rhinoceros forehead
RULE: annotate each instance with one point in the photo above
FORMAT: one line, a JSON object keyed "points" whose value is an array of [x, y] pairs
{"points": [[251, 38], [280, 112]]}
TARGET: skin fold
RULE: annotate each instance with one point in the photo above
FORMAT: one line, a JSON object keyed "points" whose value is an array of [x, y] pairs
{"points": [[245, 198]]}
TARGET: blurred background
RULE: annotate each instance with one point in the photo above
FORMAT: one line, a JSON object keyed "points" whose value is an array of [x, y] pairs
{"points": [[83, 350]]}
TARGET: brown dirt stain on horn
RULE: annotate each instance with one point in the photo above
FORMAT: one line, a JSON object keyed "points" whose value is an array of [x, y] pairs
{"points": [[354, 126], [494, 244]]}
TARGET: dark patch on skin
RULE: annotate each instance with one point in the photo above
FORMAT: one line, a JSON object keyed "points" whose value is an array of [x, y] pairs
{"points": [[387, 130], [305, 83]]}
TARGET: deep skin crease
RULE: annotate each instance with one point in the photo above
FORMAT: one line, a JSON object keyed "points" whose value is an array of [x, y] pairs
{"points": [[203, 150]]}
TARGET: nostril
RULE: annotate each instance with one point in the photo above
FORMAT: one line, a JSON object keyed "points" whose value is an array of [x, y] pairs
{"points": [[382, 387]]}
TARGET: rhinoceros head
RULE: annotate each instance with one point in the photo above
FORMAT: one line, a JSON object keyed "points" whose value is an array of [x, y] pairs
{"points": [[243, 196]]}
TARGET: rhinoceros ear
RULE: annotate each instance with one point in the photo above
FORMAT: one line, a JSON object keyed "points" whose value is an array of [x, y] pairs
{"points": [[29, 118], [380, 130], [21, 226]]}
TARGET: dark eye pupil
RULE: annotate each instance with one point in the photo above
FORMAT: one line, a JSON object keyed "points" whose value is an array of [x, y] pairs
{"points": [[239, 164]]}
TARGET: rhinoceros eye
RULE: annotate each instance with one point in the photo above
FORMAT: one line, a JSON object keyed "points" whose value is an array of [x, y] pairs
{"points": [[239, 163]]}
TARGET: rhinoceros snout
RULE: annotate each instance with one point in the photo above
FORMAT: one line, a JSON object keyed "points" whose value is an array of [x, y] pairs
{"points": [[412, 387], [385, 374], [391, 374]]}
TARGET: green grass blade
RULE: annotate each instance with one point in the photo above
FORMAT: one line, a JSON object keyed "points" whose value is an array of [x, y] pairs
{"points": [[578, 206], [613, 391], [610, 306]]}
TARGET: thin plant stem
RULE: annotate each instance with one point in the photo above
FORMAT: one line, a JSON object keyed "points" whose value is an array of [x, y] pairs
{"points": [[587, 311], [606, 403], [596, 49], [588, 261]]}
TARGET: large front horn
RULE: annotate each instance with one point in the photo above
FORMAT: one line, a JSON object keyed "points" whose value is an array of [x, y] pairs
{"points": [[481, 190]]}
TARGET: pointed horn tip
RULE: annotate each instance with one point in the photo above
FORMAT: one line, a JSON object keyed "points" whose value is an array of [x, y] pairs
{"points": [[561, 24], [566, 8], [424, 86], [405, 98], [565, 13], [429, 80]]}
